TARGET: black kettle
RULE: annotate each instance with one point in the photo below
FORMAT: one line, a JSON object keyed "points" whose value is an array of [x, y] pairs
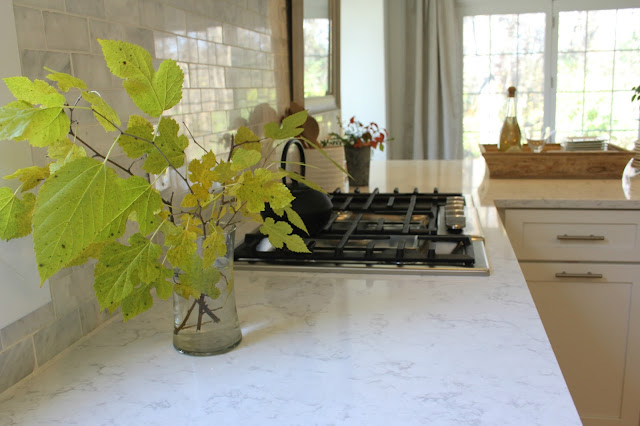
{"points": [[313, 207]]}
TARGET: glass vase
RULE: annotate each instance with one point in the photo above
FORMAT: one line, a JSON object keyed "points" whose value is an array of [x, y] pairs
{"points": [[358, 162], [631, 175], [208, 325]]}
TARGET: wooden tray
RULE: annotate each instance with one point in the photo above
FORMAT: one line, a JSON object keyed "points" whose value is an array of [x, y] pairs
{"points": [[555, 163]]}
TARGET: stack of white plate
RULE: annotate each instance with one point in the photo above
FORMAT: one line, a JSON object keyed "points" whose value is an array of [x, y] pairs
{"points": [[584, 143]]}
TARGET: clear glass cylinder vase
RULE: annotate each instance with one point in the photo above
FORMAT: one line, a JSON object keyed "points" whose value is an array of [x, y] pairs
{"points": [[631, 175], [208, 324]]}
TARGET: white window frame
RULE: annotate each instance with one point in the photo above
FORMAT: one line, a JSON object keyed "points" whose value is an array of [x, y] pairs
{"points": [[552, 8]]}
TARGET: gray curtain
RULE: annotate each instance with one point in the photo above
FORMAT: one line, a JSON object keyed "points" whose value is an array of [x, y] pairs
{"points": [[424, 79]]}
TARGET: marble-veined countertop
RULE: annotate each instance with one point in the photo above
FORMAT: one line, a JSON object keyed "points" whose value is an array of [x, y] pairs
{"points": [[332, 348]]}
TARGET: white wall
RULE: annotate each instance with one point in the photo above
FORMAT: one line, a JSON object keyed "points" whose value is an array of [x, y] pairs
{"points": [[19, 281], [362, 67]]}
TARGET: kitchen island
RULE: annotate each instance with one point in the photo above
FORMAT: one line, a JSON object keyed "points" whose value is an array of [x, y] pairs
{"points": [[339, 348]]}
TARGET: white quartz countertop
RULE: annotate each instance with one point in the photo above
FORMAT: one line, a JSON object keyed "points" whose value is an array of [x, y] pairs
{"points": [[332, 348]]}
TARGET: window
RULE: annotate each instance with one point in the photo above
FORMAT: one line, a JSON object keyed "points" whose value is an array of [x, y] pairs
{"points": [[574, 69], [315, 51]]}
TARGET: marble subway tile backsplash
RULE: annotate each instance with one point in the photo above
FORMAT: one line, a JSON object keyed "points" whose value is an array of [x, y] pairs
{"points": [[235, 60]]}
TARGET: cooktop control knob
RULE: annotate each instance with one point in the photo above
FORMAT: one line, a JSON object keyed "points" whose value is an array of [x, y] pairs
{"points": [[454, 215]]}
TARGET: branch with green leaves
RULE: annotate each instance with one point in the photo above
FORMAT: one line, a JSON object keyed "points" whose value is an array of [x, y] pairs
{"points": [[77, 206]]}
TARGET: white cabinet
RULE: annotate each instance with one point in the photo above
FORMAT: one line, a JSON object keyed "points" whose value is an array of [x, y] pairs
{"points": [[583, 271]]}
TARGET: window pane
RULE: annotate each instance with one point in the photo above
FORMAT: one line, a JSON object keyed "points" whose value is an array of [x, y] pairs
{"points": [[500, 51], [531, 33], [476, 35], [571, 72], [627, 30], [606, 50], [599, 75], [601, 29], [531, 72], [572, 31], [503, 33], [316, 27]]}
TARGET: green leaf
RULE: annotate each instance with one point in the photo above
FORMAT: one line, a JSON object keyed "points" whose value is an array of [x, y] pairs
{"points": [[133, 147], [167, 83], [295, 219], [35, 92], [152, 92], [121, 268], [76, 206], [64, 151], [29, 176], [295, 120], [279, 234], [289, 128], [92, 251], [15, 214], [140, 299], [199, 278], [170, 143], [244, 158], [20, 120], [102, 111], [138, 195], [214, 246], [65, 81]]}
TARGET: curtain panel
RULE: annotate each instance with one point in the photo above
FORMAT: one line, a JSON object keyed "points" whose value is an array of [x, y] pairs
{"points": [[424, 79]]}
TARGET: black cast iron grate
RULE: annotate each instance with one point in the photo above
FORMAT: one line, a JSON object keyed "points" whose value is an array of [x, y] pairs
{"points": [[373, 228]]}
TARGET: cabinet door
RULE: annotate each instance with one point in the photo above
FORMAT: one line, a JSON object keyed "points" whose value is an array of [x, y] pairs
{"points": [[567, 235], [591, 313]]}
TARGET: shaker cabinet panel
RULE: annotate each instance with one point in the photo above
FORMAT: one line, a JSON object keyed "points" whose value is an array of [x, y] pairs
{"points": [[574, 235], [591, 313]]}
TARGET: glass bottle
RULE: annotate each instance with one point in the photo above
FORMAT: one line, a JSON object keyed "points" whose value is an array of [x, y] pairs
{"points": [[631, 175], [510, 135]]}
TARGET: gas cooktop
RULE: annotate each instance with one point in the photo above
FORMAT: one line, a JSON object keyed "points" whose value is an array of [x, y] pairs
{"points": [[431, 233]]}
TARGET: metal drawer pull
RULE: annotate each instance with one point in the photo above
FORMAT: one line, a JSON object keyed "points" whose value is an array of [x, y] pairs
{"points": [[570, 275], [581, 237]]}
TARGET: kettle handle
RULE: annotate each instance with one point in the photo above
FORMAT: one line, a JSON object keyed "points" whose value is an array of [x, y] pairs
{"points": [[285, 151]]}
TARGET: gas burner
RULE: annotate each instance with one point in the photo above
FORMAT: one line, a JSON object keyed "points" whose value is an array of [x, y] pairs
{"points": [[408, 231]]}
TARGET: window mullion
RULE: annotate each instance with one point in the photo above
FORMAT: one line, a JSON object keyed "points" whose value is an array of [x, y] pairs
{"points": [[551, 65]]}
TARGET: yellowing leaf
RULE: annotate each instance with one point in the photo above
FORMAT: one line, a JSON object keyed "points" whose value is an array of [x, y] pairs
{"points": [[20, 120], [201, 170], [295, 120], [29, 176], [244, 134], [65, 81], [138, 195], [138, 128], [152, 92], [102, 111], [277, 195], [170, 143], [214, 246], [35, 92], [250, 190], [15, 214], [120, 268], [224, 172], [279, 234], [182, 247], [73, 208], [244, 158]]}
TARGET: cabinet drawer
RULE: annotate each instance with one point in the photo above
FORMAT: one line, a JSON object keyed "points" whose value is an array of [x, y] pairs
{"points": [[574, 235]]}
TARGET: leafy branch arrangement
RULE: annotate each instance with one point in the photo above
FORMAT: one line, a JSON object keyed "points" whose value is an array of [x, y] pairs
{"points": [[78, 206]]}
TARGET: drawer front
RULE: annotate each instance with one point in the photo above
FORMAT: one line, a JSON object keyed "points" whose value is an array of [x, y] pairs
{"points": [[574, 235]]}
